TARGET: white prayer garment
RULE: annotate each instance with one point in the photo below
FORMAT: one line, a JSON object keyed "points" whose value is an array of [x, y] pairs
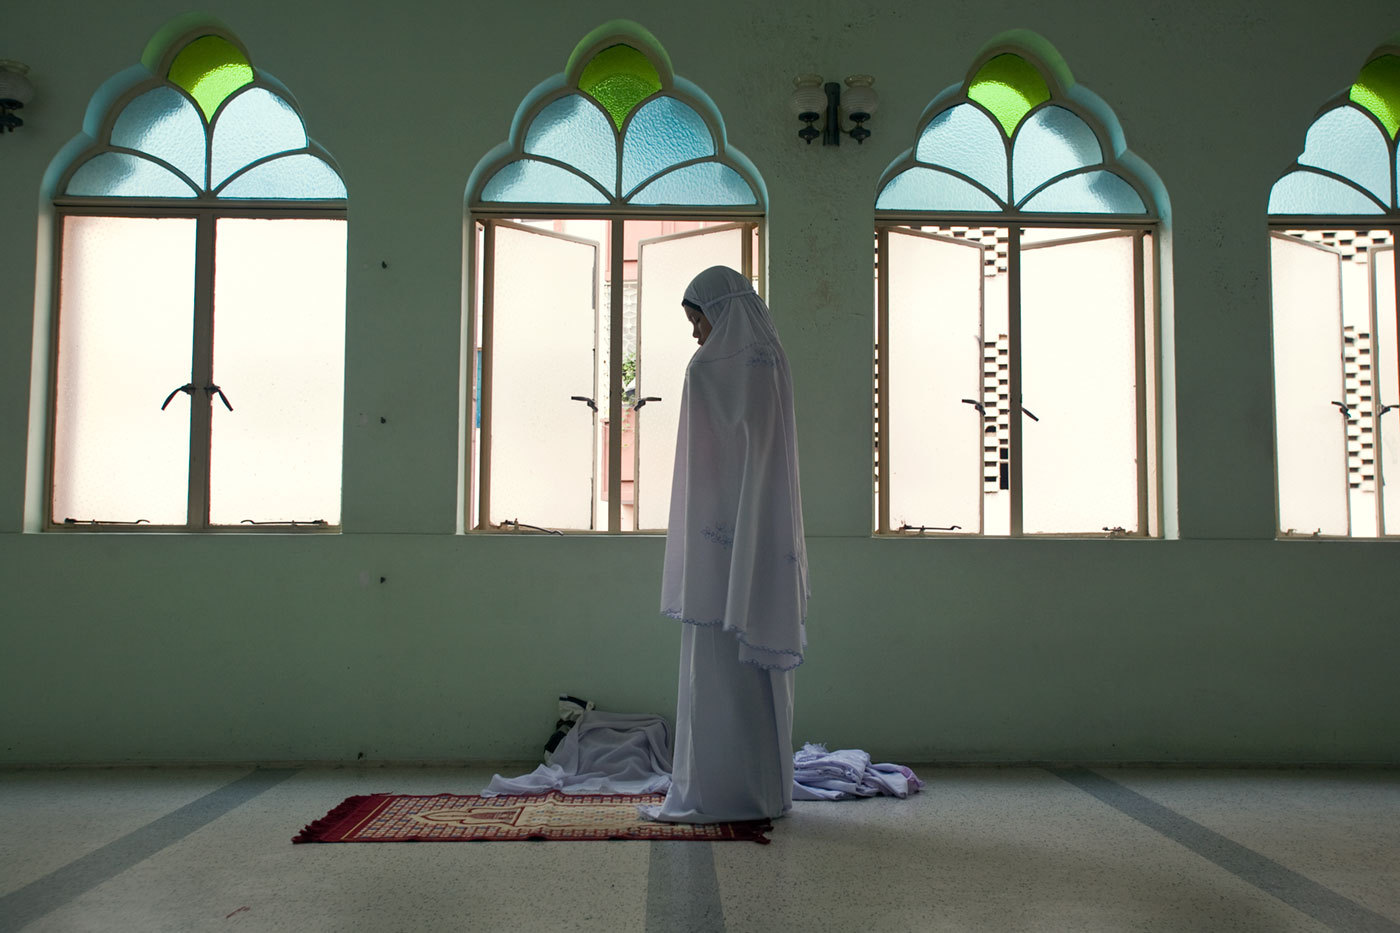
{"points": [[736, 564], [604, 753]]}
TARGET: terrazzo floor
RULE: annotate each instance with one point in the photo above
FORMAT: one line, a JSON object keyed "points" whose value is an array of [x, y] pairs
{"points": [[1033, 849]]}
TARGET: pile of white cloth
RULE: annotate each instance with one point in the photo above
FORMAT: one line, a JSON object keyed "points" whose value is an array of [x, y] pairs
{"points": [[847, 772], [604, 753]]}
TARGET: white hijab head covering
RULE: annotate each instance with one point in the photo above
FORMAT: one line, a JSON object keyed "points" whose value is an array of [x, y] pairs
{"points": [[735, 554]]}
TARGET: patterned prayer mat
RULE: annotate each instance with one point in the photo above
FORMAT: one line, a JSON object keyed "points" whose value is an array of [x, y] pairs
{"points": [[469, 818]]}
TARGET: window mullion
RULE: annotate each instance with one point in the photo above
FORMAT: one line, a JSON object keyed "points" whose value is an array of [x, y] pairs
{"points": [[1140, 375], [615, 350], [1013, 359], [882, 362], [488, 304], [202, 373]]}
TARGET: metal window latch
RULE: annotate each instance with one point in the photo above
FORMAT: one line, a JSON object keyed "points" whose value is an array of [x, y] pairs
{"points": [[1346, 412], [981, 409], [1385, 408], [187, 388], [1028, 413], [212, 389], [518, 524], [922, 528], [643, 401], [585, 399]]}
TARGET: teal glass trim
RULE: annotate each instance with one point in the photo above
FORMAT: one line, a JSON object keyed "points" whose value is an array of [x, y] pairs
{"points": [[663, 133], [526, 180], [122, 175], [926, 189], [1347, 142], [1050, 142], [298, 176], [164, 123], [1097, 192], [966, 140], [573, 130], [255, 124], [1305, 192], [705, 183]]}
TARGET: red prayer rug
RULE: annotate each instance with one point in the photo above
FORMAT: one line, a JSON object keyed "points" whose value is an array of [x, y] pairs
{"points": [[552, 816]]}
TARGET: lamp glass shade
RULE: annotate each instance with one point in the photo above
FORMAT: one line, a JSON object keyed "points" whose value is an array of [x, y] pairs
{"points": [[13, 83], [859, 96], [808, 96]]}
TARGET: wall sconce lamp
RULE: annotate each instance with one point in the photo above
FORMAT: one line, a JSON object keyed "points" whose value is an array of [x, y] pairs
{"points": [[811, 100], [15, 92]]}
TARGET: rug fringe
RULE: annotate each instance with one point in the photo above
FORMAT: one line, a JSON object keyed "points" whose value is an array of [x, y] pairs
{"points": [[318, 830]]}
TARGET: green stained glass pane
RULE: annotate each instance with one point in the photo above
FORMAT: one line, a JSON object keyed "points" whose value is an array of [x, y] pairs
{"points": [[210, 69], [619, 78], [1008, 86], [1377, 89]]}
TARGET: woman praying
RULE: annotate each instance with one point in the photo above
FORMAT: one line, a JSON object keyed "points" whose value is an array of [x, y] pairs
{"points": [[736, 562]]}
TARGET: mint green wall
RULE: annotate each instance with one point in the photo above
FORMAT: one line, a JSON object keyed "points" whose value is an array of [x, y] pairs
{"points": [[1223, 645]]}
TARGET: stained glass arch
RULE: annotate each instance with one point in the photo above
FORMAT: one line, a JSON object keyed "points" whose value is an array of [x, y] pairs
{"points": [[1019, 137], [618, 129], [1348, 166], [198, 122]]}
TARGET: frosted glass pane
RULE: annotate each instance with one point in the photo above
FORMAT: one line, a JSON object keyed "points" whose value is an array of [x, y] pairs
{"points": [[543, 353], [125, 318], [293, 177], [1052, 141], [662, 133], [1309, 429], [122, 175], [1348, 142], [704, 183], [1079, 469], [965, 139], [926, 189], [1100, 192], [1304, 192], [573, 130], [665, 347], [164, 123], [279, 356], [211, 69], [619, 78], [526, 180], [1008, 86], [930, 439], [1377, 89], [1387, 387], [255, 124]]}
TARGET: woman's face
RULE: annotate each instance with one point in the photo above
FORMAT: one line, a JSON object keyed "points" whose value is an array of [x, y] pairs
{"points": [[700, 325]]}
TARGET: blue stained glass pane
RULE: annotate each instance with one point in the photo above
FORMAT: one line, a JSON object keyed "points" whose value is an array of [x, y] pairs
{"points": [[1348, 142], [122, 175], [254, 124], [574, 130], [294, 176], [1304, 192], [1100, 192], [702, 183], [1051, 141], [926, 189], [526, 180], [965, 139], [164, 123], [661, 134]]}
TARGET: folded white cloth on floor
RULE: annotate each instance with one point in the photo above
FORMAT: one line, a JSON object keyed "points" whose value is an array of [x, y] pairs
{"points": [[604, 753], [819, 774]]}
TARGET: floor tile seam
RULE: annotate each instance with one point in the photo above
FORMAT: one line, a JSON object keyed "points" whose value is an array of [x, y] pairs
{"points": [[1291, 887], [682, 888], [65, 884]]}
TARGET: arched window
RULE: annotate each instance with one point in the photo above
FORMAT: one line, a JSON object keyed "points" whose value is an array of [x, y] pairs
{"points": [[1015, 325], [200, 301], [1333, 220], [616, 187]]}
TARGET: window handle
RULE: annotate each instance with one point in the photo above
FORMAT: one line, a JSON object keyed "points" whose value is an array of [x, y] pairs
{"points": [[643, 401], [1386, 408], [1028, 413], [187, 388], [586, 400], [212, 389], [1346, 412], [981, 409]]}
